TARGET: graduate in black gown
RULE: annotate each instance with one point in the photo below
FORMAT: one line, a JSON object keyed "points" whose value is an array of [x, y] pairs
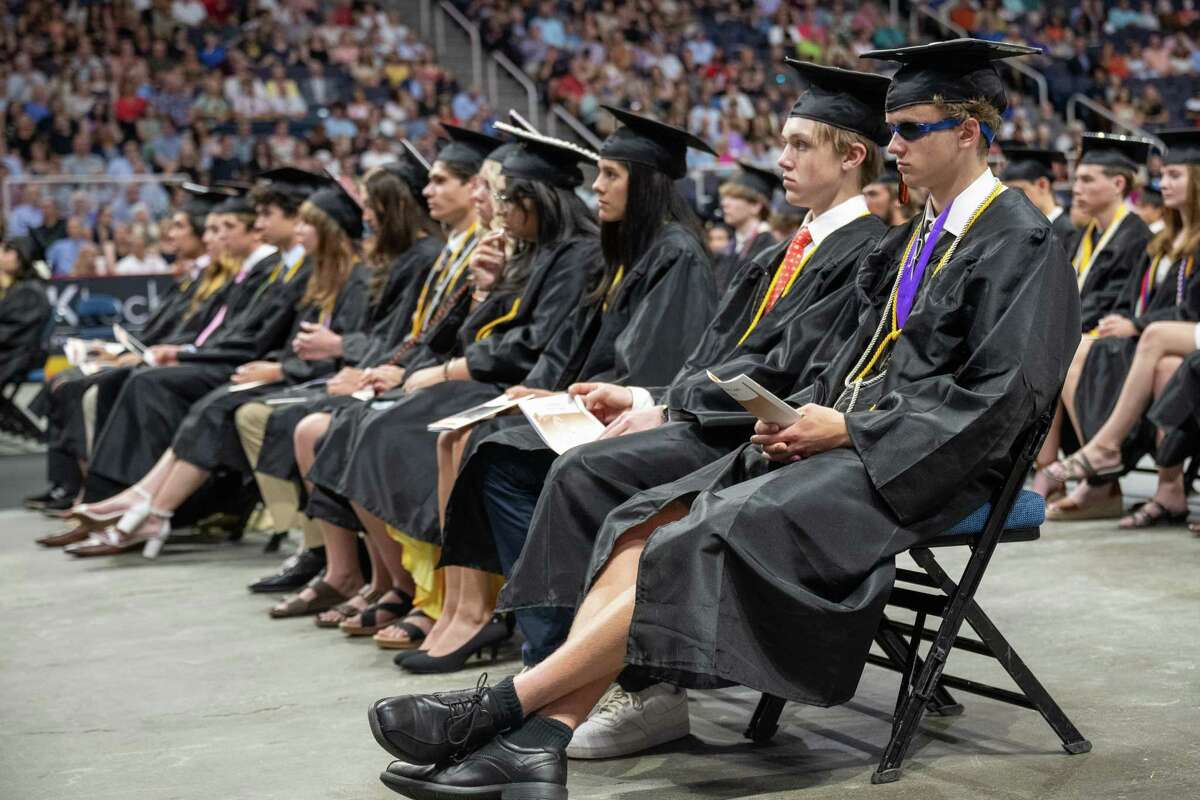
{"points": [[454, 190], [1116, 373], [773, 572], [204, 275], [1110, 248], [1031, 171], [746, 203], [404, 242], [335, 296], [24, 308], [784, 312]]}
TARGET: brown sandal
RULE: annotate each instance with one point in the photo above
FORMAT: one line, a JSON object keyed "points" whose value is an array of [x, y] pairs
{"points": [[348, 609], [1152, 514], [327, 597], [368, 619], [415, 634]]}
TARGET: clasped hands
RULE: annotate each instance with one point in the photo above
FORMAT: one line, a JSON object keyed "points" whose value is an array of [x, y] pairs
{"points": [[819, 428]]}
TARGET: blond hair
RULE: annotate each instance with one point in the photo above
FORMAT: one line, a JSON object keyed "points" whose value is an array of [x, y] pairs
{"points": [[977, 109], [731, 189], [842, 140]]}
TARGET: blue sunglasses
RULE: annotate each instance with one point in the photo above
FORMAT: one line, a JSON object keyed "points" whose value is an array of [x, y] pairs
{"points": [[912, 131]]}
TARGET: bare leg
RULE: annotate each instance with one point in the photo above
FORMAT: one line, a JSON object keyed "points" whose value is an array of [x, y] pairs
{"points": [[181, 482], [148, 485], [1043, 484], [1169, 494], [1071, 382], [399, 579], [568, 683]]}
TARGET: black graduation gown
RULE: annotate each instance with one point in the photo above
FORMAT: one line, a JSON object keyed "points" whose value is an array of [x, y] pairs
{"points": [[384, 458], [1109, 359], [777, 577], [1104, 286], [171, 311], [792, 343], [153, 402], [208, 437], [662, 309], [24, 313], [390, 323], [726, 267], [1065, 230], [1176, 414]]}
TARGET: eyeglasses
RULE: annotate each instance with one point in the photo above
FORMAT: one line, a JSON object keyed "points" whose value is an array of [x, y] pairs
{"points": [[501, 199], [913, 131]]}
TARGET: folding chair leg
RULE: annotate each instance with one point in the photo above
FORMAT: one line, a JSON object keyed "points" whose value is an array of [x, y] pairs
{"points": [[893, 645], [1072, 740], [765, 721]]}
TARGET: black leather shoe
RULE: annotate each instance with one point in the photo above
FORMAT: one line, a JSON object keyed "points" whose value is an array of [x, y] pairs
{"points": [[56, 498], [431, 728], [500, 770], [297, 571]]}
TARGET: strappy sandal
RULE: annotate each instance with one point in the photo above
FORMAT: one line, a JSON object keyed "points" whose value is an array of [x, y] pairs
{"points": [[1152, 514], [348, 609], [1067, 510], [1077, 467], [88, 514], [326, 598], [369, 623], [415, 634]]}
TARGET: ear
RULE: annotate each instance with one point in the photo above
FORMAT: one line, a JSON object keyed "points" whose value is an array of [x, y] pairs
{"points": [[970, 132], [854, 157]]}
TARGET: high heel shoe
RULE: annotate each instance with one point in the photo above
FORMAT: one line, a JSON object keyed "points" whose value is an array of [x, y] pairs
{"points": [[489, 638]]}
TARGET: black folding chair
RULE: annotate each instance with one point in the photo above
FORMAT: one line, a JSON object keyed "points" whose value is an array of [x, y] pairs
{"points": [[923, 683]]}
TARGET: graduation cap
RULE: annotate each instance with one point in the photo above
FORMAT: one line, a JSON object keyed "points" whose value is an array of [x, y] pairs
{"points": [[1183, 145], [202, 199], [467, 146], [340, 206], [956, 71], [413, 170], [545, 159], [651, 143], [1115, 150], [292, 181], [756, 179], [237, 201], [843, 98], [1029, 164]]}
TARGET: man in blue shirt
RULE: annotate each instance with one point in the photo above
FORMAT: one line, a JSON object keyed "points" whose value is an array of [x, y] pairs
{"points": [[62, 254]]}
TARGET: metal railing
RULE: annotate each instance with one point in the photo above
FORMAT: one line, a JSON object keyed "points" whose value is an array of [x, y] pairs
{"points": [[518, 75], [1039, 80], [1091, 105], [472, 32], [558, 113]]}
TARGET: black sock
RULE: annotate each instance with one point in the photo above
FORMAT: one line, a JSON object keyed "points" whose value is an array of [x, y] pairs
{"points": [[541, 732], [509, 713]]}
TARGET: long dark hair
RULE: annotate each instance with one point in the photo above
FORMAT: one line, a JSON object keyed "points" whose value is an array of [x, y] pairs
{"points": [[652, 202], [402, 222], [561, 215]]}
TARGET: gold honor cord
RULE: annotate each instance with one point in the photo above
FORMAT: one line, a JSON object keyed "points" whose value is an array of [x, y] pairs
{"points": [[894, 334], [443, 262], [1086, 255], [612, 290], [762, 307], [487, 329]]}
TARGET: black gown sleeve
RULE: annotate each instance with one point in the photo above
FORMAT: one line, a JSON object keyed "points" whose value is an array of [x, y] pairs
{"points": [[1188, 309], [349, 314]]}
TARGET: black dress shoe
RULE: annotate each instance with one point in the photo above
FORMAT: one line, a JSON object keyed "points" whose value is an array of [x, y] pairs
{"points": [[56, 498], [297, 571], [431, 728], [500, 770]]}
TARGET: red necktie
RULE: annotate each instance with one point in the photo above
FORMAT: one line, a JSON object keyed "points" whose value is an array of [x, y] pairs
{"points": [[791, 263]]}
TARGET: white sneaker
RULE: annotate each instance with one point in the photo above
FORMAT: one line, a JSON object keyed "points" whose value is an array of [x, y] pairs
{"points": [[624, 723]]}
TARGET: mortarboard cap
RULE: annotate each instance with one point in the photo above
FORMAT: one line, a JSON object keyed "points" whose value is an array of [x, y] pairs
{"points": [[650, 143], [843, 98], [340, 206], [757, 179], [467, 146], [1183, 145], [956, 71], [544, 159], [1115, 150], [1029, 164], [203, 199], [292, 181], [413, 171], [236, 201]]}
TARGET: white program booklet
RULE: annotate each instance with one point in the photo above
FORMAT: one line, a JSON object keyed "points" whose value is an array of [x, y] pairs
{"points": [[474, 414], [561, 420], [759, 401], [127, 341]]}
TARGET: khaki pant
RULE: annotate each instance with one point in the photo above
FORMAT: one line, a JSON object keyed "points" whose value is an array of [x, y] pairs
{"points": [[282, 498]]}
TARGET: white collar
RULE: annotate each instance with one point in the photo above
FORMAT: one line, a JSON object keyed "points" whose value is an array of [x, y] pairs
{"points": [[840, 215], [259, 253], [1157, 227], [1055, 213], [292, 256], [455, 240], [963, 206]]}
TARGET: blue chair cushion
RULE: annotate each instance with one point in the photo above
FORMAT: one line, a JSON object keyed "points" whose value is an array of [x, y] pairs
{"points": [[36, 376], [1028, 512]]}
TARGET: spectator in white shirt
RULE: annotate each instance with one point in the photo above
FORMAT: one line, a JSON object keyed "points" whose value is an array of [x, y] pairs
{"points": [[140, 260]]}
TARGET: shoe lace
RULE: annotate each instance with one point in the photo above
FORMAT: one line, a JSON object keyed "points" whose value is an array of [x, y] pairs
{"points": [[616, 700], [465, 708]]}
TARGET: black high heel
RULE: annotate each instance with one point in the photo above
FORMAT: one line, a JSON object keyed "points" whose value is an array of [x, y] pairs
{"points": [[489, 638]]}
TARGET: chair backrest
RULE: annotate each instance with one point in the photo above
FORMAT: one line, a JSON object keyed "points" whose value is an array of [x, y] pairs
{"points": [[100, 308]]}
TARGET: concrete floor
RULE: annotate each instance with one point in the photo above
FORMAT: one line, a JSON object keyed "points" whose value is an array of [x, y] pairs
{"points": [[121, 678]]}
